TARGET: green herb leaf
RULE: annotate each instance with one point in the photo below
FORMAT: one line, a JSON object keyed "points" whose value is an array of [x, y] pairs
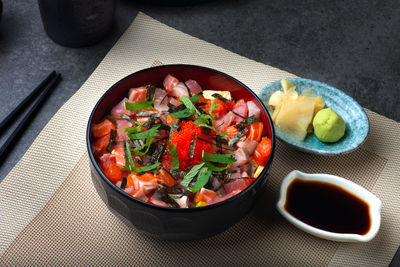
{"points": [[145, 168], [188, 104], [129, 165], [136, 129], [212, 108], [203, 119], [138, 150], [191, 174], [214, 168], [182, 113], [196, 98], [149, 133], [218, 158], [202, 179], [174, 156], [145, 104]]}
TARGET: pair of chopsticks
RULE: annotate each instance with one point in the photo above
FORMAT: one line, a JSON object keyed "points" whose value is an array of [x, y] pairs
{"points": [[43, 89]]}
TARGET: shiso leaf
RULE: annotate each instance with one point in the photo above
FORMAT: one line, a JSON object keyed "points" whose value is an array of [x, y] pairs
{"points": [[191, 174], [202, 179], [136, 129], [189, 104], [196, 97], [213, 106], [140, 105], [149, 133], [182, 113], [146, 146], [218, 158], [145, 168], [129, 165], [174, 156], [212, 167]]}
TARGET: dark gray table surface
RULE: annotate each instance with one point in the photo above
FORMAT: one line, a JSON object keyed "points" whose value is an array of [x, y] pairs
{"points": [[352, 45]]}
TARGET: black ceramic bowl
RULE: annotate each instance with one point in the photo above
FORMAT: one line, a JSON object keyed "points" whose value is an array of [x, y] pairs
{"points": [[174, 223]]}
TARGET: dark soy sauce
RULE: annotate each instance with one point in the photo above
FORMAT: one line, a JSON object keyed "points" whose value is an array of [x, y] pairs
{"points": [[327, 207]]}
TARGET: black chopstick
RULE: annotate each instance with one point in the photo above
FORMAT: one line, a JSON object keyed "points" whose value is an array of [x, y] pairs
{"points": [[23, 103], [48, 84]]}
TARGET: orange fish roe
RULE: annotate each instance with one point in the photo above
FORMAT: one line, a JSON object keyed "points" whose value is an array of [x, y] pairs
{"points": [[182, 140]]}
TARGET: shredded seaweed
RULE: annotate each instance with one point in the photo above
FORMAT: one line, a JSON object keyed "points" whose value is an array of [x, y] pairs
{"points": [[192, 146], [188, 89], [126, 117], [162, 100], [111, 142], [220, 97], [246, 122], [165, 127], [138, 143], [123, 183], [237, 114], [178, 173], [150, 90], [161, 183], [237, 136], [167, 171], [167, 199], [206, 131], [204, 140], [158, 152], [150, 122], [173, 109], [147, 114]]}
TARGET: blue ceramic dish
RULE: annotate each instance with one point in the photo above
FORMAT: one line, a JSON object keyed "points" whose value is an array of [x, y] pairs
{"points": [[357, 124]]}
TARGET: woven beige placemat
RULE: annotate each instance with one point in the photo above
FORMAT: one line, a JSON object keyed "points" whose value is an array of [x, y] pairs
{"points": [[56, 216]]}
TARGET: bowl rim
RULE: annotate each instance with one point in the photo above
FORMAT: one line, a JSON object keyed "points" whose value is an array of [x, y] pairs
{"points": [[263, 173]]}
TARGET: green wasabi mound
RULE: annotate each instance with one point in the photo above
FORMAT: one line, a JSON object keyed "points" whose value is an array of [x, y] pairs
{"points": [[328, 125]]}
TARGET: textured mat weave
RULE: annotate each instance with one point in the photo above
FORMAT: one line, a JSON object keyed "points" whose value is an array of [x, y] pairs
{"points": [[58, 218]]}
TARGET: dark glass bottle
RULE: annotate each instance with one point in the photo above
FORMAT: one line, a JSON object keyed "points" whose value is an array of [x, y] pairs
{"points": [[77, 23]]}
